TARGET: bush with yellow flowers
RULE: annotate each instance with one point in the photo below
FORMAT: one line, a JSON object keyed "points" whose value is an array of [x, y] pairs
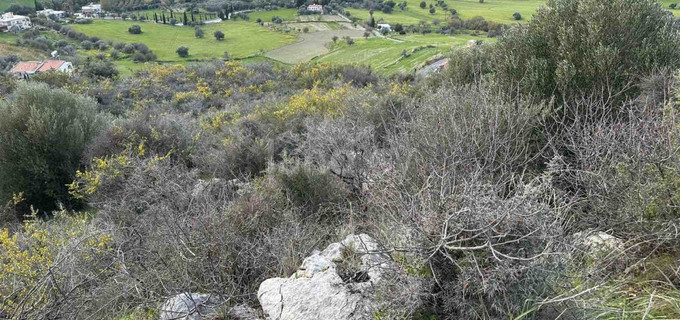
{"points": [[36, 262]]}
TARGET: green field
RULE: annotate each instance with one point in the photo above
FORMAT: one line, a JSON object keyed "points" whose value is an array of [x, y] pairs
{"points": [[4, 4], [676, 11], [243, 39], [499, 11], [266, 16], [385, 55]]}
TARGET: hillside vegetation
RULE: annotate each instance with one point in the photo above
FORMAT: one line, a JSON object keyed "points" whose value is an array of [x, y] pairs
{"points": [[536, 177]]}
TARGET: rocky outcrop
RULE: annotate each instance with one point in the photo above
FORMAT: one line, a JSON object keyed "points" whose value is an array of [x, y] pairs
{"points": [[189, 306], [333, 284], [598, 243]]}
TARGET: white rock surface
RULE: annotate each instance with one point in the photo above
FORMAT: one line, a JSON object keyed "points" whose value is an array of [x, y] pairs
{"points": [[189, 306], [597, 243], [243, 312], [316, 290]]}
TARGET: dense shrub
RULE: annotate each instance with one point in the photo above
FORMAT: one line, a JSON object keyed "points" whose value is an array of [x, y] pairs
{"points": [[198, 32], [183, 52], [87, 44], [135, 29], [8, 61], [100, 68], [41, 147], [615, 41], [219, 35]]}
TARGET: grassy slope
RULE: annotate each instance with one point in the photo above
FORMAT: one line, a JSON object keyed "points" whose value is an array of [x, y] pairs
{"points": [[243, 39], [493, 10], [7, 46], [4, 4], [266, 16], [386, 56], [499, 11]]}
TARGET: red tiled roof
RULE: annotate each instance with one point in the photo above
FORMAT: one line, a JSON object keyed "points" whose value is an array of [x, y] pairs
{"points": [[51, 65], [27, 66]]}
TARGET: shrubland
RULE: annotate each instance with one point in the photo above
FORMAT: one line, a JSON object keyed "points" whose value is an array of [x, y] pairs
{"points": [[482, 182]]}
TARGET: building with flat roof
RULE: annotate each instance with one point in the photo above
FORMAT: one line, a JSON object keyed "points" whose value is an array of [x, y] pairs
{"points": [[91, 9], [315, 8], [14, 22], [50, 12]]}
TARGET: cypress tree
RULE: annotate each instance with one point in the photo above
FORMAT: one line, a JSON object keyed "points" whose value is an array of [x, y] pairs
{"points": [[163, 17], [192, 16], [185, 18]]}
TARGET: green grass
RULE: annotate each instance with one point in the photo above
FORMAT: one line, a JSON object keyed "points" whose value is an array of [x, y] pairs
{"points": [[243, 39], [266, 16], [676, 11], [385, 56], [499, 11], [4, 4]]}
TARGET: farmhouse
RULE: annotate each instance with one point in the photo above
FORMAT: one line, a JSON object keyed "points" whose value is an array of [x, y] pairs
{"points": [[14, 22], [91, 9], [315, 8], [50, 12], [384, 26], [25, 69]]}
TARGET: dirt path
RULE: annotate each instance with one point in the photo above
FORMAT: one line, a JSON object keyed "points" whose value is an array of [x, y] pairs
{"points": [[311, 45]]}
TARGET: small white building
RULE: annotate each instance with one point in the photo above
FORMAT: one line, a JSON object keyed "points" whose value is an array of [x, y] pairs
{"points": [[26, 69], [50, 12], [14, 22], [315, 8], [384, 26], [91, 9]]}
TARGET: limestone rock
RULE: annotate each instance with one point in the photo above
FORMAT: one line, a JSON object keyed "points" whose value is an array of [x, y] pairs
{"points": [[598, 243], [318, 291], [189, 306], [243, 312]]}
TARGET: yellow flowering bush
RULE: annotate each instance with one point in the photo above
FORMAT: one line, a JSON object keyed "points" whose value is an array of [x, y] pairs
{"points": [[106, 168], [314, 102], [32, 259], [219, 121]]}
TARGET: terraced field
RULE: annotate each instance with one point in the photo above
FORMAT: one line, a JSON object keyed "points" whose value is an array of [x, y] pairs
{"points": [[310, 45], [387, 56]]}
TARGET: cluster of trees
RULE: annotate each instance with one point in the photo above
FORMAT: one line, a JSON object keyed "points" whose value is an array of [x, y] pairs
{"points": [[139, 52], [482, 182]]}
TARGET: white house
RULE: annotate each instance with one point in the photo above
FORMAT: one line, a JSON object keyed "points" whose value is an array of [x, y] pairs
{"points": [[12, 22], [50, 12], [384, 26], [91, 9], [315, 8], [26, 69]]}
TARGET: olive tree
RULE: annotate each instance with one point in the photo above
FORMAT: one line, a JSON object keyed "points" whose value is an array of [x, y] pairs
{"points": [[43, 133], [574, 45]]}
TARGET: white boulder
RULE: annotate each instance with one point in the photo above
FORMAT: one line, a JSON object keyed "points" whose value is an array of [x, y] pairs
{"points": [[189, 306], [317, 290]]}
